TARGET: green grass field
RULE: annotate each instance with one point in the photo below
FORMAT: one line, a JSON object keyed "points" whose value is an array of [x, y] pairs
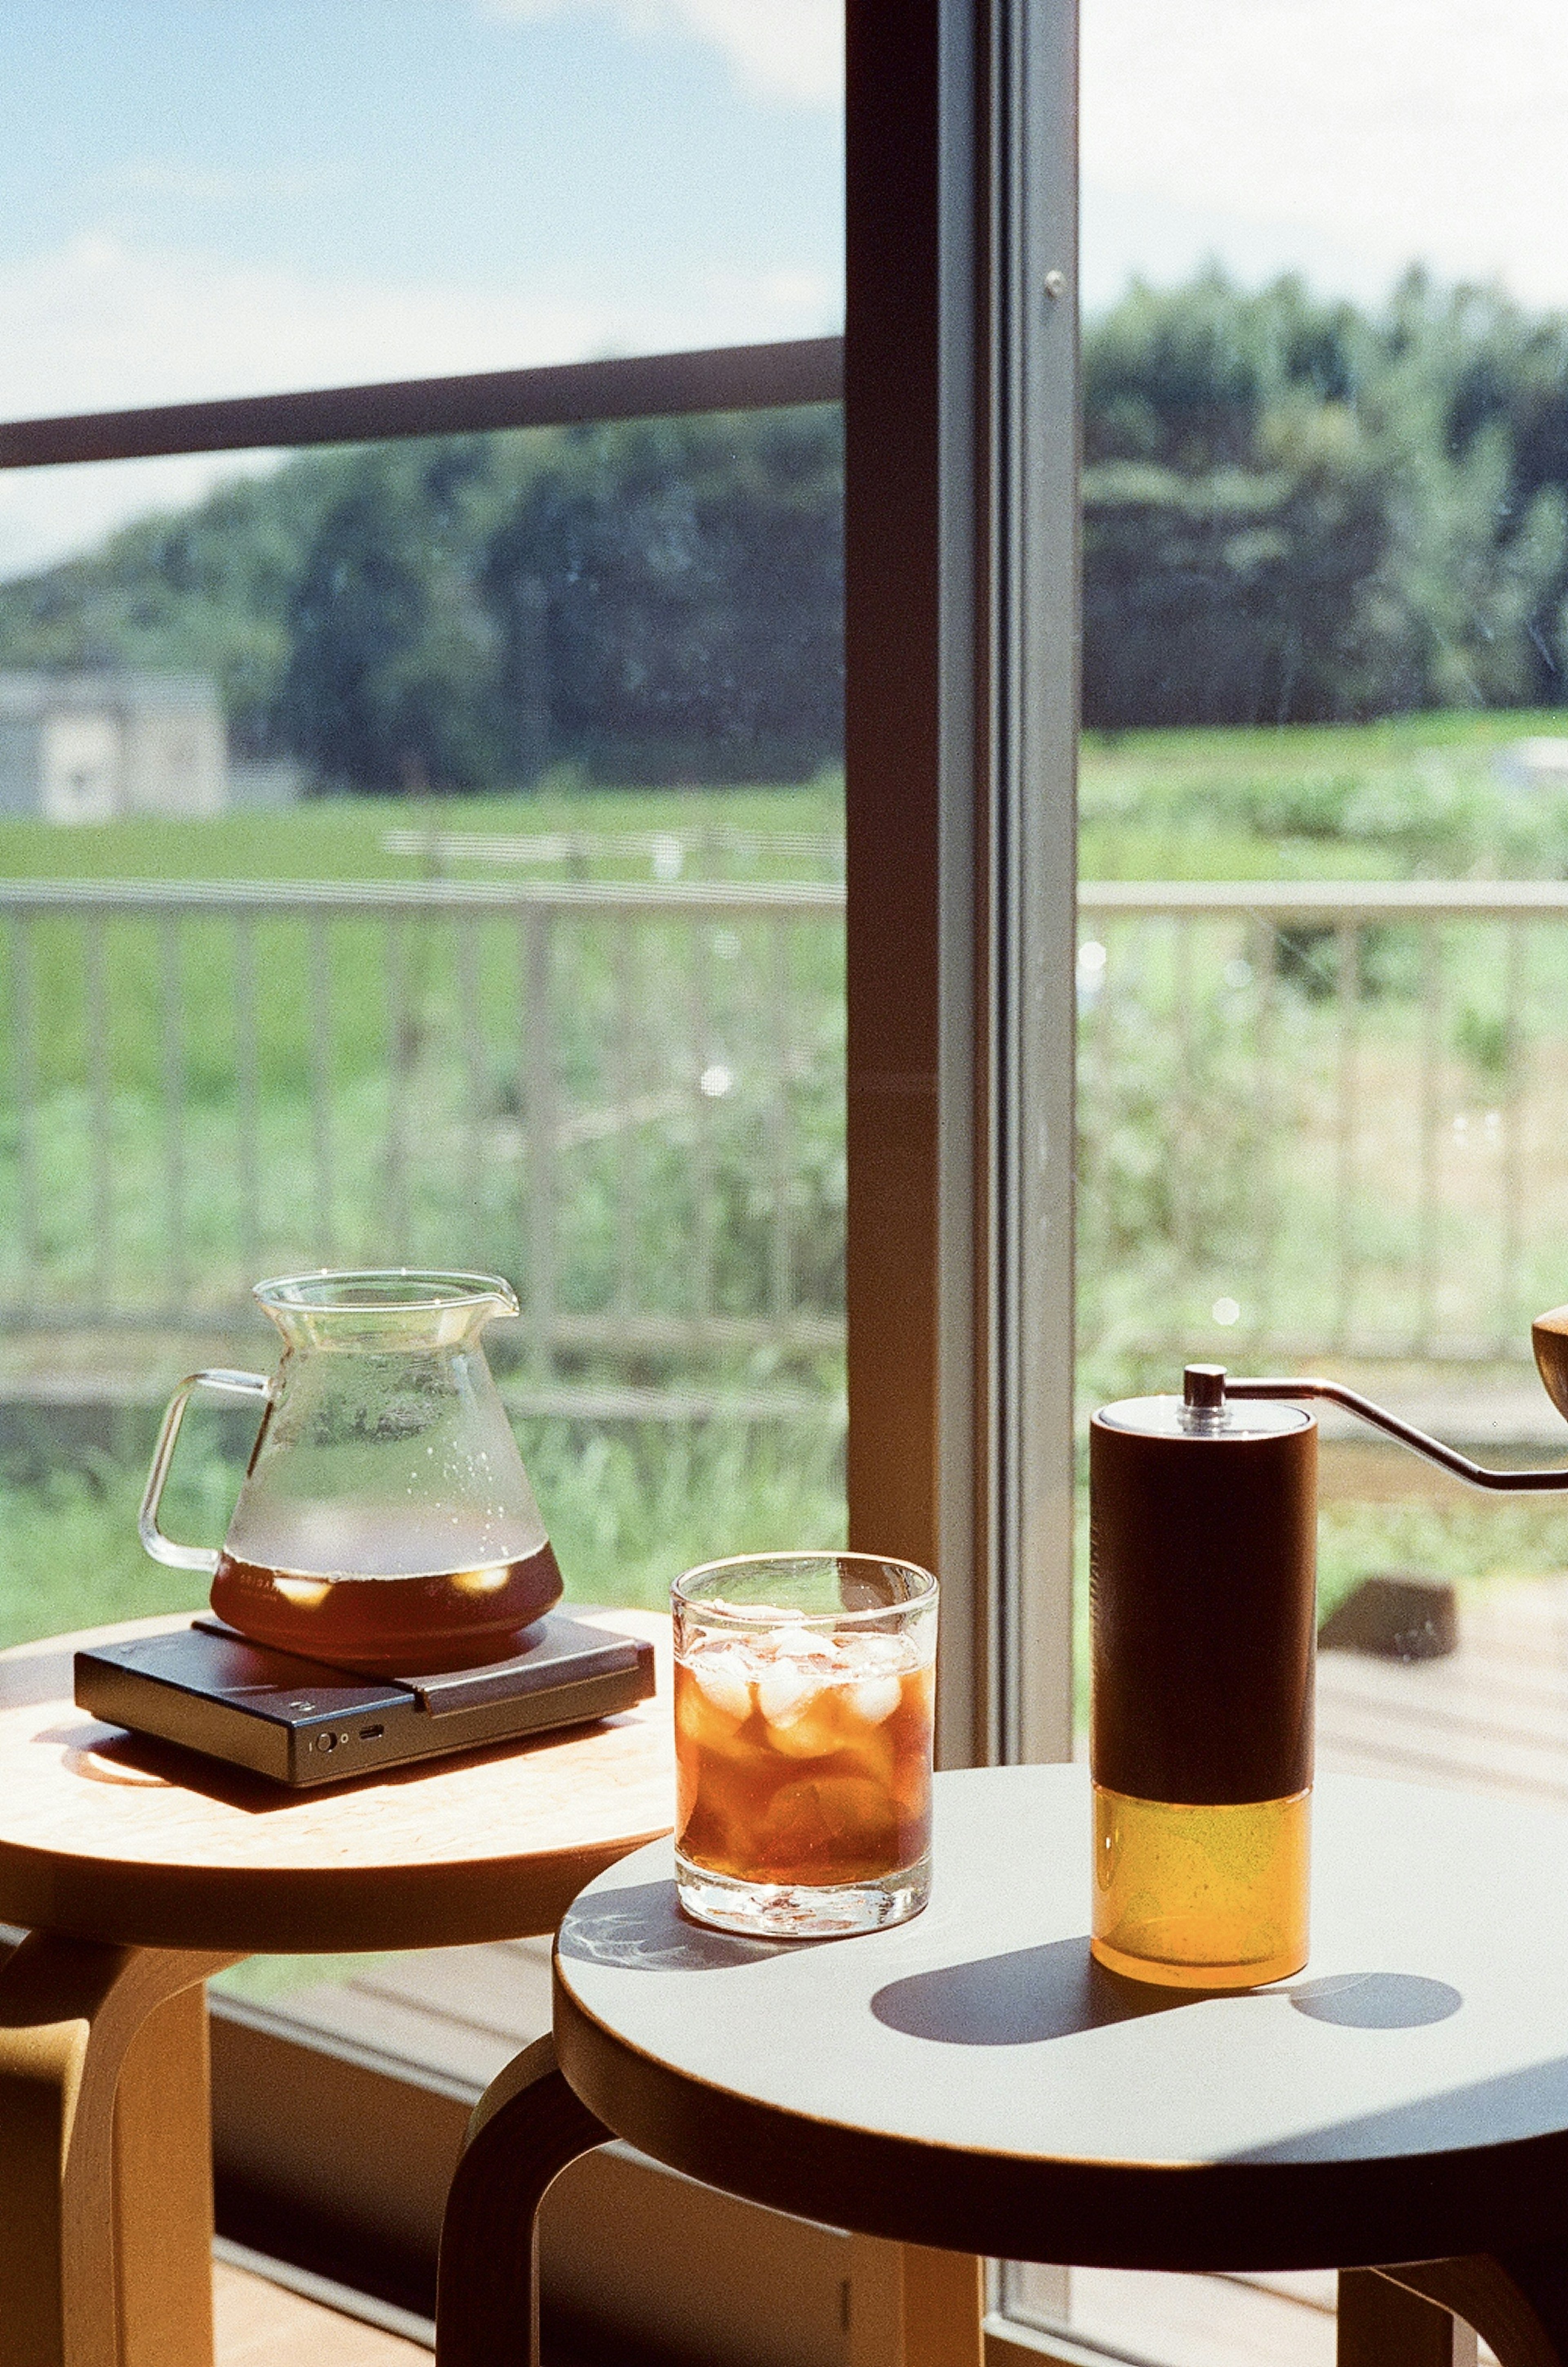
{"points": [[629, 1503], [1414, 796], [341, 838]]}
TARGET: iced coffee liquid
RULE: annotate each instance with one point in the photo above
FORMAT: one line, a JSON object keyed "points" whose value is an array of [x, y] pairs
{"points": [[416, 1624], [803, 1759]]}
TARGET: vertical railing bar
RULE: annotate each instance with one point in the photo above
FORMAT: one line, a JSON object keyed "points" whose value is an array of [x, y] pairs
{"points": [[23, 958], [1266, 1100], [1183, 1100], [779, 1098], [1348, 987], [321, 1034], [1096, 1125], [102, 1117], [173, 996], [1515, 1040], [540, 1122], [470, 1019], [247, 1162], [622, 951], [398, 1056], [703, 1159], [1431, 1115]]}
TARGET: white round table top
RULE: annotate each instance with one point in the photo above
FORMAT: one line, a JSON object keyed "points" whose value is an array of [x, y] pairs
{"points": [[110, 1836], [972, 2079]]}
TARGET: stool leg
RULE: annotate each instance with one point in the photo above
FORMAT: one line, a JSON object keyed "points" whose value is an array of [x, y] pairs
{"points": [[1382, 2324], [912, 2306], [1517, 2300], [70, 2010], [527, 2128], [162, 2188]]}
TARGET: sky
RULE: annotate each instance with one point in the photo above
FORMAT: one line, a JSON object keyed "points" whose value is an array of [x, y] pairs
{"points": [[210, 196], [216, 196]]}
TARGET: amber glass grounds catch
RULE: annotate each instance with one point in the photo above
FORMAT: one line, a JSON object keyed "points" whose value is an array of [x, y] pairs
{"points": [[804, 1697]]}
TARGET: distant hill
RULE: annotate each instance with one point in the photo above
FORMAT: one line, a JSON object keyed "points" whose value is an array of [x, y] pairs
{"points": [[658, 600], [1294, 510]]}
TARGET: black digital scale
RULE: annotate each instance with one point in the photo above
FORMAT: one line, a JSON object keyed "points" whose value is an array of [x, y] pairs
{"points": [[302, 1722]]}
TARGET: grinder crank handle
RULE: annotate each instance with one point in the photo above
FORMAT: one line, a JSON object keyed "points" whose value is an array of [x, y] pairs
{"points": [[1206, 1387]]}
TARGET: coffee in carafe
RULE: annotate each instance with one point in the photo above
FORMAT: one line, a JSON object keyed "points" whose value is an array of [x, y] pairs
{"points": [[385, 1521]]}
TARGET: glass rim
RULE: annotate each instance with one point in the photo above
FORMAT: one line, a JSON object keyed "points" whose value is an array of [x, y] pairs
{"points": [[737, 1616], [409, 1290]]}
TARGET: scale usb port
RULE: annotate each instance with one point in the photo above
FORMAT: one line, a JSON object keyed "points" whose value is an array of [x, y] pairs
{"points": [[371, 1733]]}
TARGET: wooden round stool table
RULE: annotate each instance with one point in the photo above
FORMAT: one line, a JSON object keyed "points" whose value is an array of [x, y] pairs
{"points": [[972, 2080], [139, 1870]]}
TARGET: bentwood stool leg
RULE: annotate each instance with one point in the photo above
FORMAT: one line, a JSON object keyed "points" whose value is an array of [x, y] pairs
{"points": [[528, 2125], [1517, 2300], [73, 2015], [910, 2306], [1384, 2324]]}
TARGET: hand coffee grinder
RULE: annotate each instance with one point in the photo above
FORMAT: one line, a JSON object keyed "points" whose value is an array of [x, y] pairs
{"points": [[1203, 1584]]}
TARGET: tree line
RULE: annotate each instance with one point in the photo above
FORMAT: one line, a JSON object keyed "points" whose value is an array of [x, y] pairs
{"points": [[1294, 509], [650, 601], [1298, 510]]}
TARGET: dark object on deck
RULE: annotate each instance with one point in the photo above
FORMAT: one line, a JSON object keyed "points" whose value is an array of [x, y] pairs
{"points": [[1398, 1615]]}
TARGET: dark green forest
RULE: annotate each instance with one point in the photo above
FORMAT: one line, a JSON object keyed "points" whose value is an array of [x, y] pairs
{"points": [[658, 601], [1294, 510]]}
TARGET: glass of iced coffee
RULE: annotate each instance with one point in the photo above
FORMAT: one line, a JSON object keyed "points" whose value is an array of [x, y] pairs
{"points": [[804, 1695]]}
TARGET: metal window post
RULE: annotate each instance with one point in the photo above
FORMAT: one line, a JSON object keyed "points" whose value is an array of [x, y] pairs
{"points": [[960, 466]]}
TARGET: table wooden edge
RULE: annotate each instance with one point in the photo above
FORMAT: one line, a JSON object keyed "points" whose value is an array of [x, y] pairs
{"points": [[330, 1909], [325, 1910]]}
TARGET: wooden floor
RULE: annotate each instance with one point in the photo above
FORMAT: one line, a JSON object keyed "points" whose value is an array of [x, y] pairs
{"points": [[261, 2325]]}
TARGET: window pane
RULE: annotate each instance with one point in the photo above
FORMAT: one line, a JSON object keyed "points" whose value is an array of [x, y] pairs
{"points": [[431, 855], [1325, 388], [200, 200]]}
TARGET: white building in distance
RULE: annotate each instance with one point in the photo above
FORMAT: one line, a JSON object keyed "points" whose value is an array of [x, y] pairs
{"points": [[95, 747]]}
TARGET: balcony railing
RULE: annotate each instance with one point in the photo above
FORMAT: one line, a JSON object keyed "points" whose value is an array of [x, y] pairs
{"points": [[1323, 1119], [1312, 1118], [627, 1097]]}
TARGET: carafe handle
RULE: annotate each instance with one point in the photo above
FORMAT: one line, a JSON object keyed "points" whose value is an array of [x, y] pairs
{"points": [[165, 1548]]}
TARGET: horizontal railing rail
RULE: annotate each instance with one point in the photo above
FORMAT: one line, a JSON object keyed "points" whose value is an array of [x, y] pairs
{"points": [[1362, 900], [346, 899]]}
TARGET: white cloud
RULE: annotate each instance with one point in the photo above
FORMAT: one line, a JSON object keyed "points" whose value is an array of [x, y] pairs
{"points": [[104, 323], [791, 50], [1329, 133]]}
